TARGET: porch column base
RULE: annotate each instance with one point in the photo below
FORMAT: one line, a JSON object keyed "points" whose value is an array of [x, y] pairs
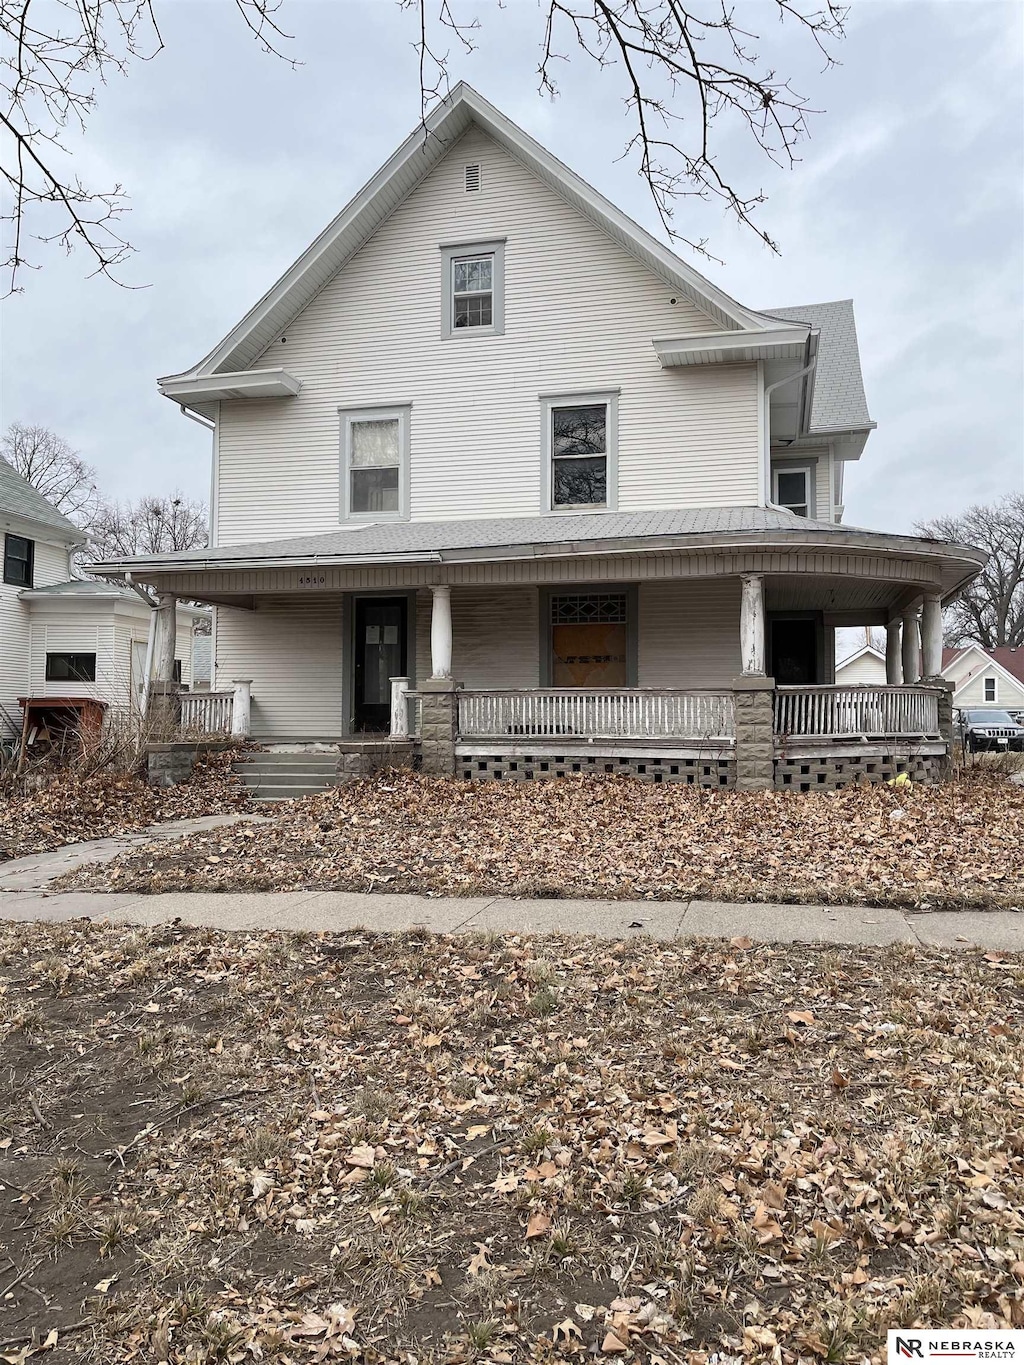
{"points": [[755, 733], [163, 713], [945, 690], [439, 718]]}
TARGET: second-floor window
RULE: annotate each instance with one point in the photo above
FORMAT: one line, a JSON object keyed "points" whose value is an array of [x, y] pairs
{"points": [[580, 440], [375, 443], [990, 689], [473, 289], [793, 490], [19, 559]]}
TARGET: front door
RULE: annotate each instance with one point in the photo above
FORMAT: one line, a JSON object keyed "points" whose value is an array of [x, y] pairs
{"points": [[795, 652], [381, 643]]}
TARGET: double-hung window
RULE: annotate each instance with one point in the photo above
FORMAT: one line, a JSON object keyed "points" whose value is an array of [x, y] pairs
{"points": [[19, 558], [990, 689], [793, 490], [579, 445], [375, 455], [473, 289]]}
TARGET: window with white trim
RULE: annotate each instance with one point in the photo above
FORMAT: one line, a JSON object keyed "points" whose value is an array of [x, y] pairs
{"points": [[579, 452], [473, 289], [375, 454], [793, 490], [990, 689]]}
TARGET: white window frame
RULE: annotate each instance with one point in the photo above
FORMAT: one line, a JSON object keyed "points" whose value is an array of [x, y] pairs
{"points": [[401, 412], [989, 701], [808, 472], [461, 251], [591, 398]]}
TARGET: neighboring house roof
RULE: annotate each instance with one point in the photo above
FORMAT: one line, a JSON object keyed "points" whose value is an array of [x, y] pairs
{"points": [[864, 649], [839, 399], [395, 181], [20, 499], [1003, 659], [82, 589]]}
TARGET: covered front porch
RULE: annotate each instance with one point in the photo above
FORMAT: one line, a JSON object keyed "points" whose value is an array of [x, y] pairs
{"points": [[703, 656]]}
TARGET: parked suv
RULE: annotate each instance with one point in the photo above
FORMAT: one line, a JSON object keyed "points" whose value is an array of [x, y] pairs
{"points": [[991, 731]]}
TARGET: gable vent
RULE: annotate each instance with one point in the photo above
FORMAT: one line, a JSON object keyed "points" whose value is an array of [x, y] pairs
{"points": [[473, 178]]}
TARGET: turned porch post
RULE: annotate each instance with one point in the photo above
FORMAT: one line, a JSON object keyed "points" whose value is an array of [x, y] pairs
{"points": [[241, 707], [752, 625], [911, 648], [893, 663], [165, 628], [441, 631], [399, 708], [931, 636]]}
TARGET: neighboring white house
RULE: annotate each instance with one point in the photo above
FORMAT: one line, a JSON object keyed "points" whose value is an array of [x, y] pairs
{"points": [[488, 429], [866, 666], [62, 637], [986, 678]]}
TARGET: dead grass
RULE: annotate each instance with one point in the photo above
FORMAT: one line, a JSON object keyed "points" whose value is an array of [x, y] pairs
{"points": [[952, 846], [316, 1147]]}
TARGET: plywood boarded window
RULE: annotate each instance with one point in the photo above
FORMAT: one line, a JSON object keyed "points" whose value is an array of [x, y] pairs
{"points": [[589, 639]]}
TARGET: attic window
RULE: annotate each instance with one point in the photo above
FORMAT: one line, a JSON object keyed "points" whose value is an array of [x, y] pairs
{"points": [[473, 182]]}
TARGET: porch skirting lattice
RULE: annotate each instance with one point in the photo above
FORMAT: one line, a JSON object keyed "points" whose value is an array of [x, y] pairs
{"points": [[491, 763]]}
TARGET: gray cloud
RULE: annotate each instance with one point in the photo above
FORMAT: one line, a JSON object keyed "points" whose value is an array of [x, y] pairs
{"points": [[908, 199]]}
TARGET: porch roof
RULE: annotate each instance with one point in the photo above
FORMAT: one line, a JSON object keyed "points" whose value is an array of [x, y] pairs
{"points": [[511, 538]]}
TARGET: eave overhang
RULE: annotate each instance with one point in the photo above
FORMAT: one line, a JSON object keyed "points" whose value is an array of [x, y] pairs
{"points": [[190, 390], [718, 348]]}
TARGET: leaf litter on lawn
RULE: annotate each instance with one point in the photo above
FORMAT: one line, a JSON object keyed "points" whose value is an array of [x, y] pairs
{"points": [[955, 845], [370, 1147]]}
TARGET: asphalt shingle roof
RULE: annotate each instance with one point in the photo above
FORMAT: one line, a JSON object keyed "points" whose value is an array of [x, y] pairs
{"points": [[20, 499], [419, 537], [839, 399]]}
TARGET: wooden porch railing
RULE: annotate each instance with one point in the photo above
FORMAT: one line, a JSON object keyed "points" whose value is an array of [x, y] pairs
{"points": [[604, 713], [207, 713], [834, 711]]}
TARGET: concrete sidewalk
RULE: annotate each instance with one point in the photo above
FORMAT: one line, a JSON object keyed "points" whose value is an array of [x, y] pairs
{"points": [[319, 911]]}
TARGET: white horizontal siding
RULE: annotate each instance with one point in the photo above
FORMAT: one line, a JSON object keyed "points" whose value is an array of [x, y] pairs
{"points": [[495, 636], [50, 566], [689, 634], [866, 669], [79, 632], [293, 654], [580, 315], [972, 693]]}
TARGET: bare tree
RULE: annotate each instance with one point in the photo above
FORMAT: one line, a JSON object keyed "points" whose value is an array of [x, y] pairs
{"points": [[52, 58], [687, 66], [691, 75], [989, 611], [50, 465], [151, 526]]}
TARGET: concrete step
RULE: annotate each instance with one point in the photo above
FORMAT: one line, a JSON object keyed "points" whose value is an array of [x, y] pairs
{"points": [[313, 761], [287, 791], [276, 770]]}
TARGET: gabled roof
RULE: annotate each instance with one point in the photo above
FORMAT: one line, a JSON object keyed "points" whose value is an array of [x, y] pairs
{"points": [[864, 649], [1003, 659], [839, 400], [20, 499], [397, 178]]}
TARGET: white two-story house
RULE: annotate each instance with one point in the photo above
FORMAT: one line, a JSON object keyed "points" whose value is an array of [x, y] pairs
{"points": [[487, 434]]}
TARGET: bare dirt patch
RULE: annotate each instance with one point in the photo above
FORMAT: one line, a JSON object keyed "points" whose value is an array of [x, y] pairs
{"points": [[929, 848], [224, 1147]]}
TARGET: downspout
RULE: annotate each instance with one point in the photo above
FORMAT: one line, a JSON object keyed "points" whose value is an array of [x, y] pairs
{"points": [[211, 427], [767, 419]]}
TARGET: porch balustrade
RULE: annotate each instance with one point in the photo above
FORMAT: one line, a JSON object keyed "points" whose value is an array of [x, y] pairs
{"points": [[207, 713], [856, 711], [602, 713]]}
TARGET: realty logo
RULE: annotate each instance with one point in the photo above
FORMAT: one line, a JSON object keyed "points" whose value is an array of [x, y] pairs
{"points": [[998, 1346]]}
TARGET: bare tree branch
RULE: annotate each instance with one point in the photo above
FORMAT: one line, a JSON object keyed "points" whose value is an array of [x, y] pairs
{"points": [[151, 526], [989, 611], [50, 465]]}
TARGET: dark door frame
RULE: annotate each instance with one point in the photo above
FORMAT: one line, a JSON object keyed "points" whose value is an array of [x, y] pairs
{"points": [[348, 662], [820, 657]]}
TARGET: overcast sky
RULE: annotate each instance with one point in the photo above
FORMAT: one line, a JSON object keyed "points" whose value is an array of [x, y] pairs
{"points": [[908, 200]]}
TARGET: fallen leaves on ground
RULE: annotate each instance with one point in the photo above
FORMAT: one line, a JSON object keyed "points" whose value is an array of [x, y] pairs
{"points": [[71, 809], [276, 1168], [928, 847]]}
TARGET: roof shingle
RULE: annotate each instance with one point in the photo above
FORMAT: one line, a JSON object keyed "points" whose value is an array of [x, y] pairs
{"points": [[20, 499], [839, 399]]}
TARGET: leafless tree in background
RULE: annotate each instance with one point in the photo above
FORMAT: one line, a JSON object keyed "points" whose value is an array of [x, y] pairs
{"points": [[691, 76], [50, 465], [150, 526], [990, 611], [52, 58]]}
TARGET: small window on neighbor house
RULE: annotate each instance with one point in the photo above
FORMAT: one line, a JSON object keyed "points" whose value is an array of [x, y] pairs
{"points": [[76, 668], [579, 455], [19, 559], [376, 462], [792, 490], [990, 689]]}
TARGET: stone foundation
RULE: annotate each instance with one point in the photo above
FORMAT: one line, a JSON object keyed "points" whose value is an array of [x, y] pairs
{"points": [[168, 765], [439, 717], [753, 699], [364, 757]]}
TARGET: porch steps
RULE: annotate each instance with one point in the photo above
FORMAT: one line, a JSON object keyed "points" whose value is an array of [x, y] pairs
{"points": [[283, 774]]}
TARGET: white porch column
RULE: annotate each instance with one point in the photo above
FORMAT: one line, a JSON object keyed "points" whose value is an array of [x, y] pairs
{"points": [[399, 708], [165, 626], [931, 636], [752, 625], [893, 664], [911, 648], [441, 631], [241, 707]]}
